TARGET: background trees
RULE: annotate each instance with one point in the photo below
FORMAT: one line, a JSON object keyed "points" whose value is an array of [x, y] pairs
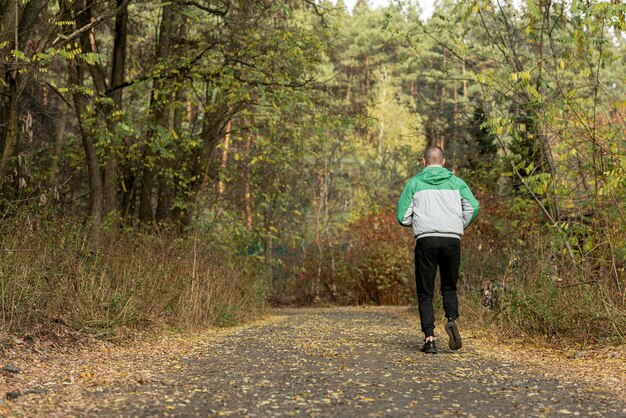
{"points": [[283, 131]]}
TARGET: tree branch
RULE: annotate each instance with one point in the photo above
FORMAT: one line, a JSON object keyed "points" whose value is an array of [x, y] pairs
{"points": [[213, 11], [90, 25]]}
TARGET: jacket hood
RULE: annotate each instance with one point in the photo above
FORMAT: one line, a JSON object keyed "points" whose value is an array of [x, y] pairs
{"points": [[434, 174]]}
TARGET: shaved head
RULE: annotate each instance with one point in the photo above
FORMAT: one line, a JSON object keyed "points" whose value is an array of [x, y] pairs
{"points": [[433, 155]]}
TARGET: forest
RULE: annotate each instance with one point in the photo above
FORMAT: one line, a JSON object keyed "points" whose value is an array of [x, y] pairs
{"points": [[193, 162]]}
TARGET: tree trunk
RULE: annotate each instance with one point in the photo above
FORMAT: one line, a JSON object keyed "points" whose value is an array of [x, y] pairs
{"points": [[455, 113], [93, 169], [146, 215], [82, 17], [56, 150], [15, 27], [221, 188], [159, 108], [166, 192], [348, 89], [442, 102], [367, 76], [9, 144], [117, 77], [463, 72], [212, 133], [247, 185], [205, 166]]}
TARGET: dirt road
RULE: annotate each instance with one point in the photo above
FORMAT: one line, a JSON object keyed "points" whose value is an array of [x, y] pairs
{"points": [[326, 362]]}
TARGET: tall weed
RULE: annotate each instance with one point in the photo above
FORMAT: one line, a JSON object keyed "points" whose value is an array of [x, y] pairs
{"points": [[51, 271]]}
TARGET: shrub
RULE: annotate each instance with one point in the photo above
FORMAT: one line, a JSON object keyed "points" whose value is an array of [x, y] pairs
{"points": [[369, 262], [541, 292]]}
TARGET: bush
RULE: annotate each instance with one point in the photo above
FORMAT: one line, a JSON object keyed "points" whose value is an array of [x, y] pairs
{"points": [[370, 262], [539, 291]]}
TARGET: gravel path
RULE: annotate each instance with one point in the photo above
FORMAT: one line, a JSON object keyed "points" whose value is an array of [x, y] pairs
{"points": [[348, 362]]}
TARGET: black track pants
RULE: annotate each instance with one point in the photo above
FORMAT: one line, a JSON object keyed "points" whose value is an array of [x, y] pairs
{"points": [[431, 252]]}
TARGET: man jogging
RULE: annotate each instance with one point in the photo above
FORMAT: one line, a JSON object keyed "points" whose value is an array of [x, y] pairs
{"points": [[439, 206]]}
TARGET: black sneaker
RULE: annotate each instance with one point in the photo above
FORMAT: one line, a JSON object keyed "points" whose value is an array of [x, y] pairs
{"points": [[429, 347], [452, 329]]}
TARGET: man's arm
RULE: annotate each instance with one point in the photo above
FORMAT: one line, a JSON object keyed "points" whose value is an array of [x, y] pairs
{"points": [[404, 214], [469, 204]]}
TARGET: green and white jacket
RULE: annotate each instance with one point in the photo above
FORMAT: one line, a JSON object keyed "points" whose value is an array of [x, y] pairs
{"points": [[436, 203]]}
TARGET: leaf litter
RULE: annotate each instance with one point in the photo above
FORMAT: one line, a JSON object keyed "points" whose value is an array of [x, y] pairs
{"points": [[307, 362]]}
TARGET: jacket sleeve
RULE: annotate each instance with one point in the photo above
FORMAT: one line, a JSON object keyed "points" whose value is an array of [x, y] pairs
{"points": [[469, 205], [404, 214]]}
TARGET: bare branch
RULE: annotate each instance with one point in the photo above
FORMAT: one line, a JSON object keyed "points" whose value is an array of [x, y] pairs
{"points": [[92, 24], [211, 10]]}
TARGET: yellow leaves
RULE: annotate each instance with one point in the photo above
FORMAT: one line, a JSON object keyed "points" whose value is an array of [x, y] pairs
{"points": [[19, 55], [562, 64], [227, 413], [482, 78], [533, 9], [62, 22], [532, 91], [86, 375], [524, 75]]}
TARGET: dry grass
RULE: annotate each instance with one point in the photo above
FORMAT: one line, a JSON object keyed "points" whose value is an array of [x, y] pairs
{"points": [[50, 270], [537, 295]]}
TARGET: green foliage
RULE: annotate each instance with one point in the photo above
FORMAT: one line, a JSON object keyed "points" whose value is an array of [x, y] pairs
{"points": [[276, 132]]}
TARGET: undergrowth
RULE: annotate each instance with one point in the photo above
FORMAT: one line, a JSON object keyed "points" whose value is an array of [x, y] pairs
{"points": [[519, 282], [53, 270], [514, 279], [365, 264]]}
